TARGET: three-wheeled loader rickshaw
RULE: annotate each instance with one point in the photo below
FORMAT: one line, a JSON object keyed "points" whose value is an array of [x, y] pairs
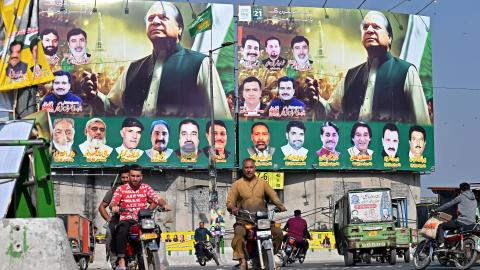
{"points": [[363, 226], [81, 236]]}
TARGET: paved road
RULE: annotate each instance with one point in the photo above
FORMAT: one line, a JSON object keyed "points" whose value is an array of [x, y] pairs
{"points": [[324, 266]]}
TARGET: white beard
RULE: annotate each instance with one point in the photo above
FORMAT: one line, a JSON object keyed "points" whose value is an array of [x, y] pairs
{"points": [[300, 61], [79, 55], [63, 148], [95, 143]]}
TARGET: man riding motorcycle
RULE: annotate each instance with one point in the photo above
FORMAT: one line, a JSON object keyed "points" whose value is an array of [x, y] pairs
{"points": [[113, 219], [132, 197], [201, 236], [297, 228], [249, 193], [467, 206]]}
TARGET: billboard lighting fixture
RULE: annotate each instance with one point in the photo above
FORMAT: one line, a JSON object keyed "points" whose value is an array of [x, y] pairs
{"points": [[326, 14], [194, 15], [94, 10], [400, 26], [62, 8], [127, 11]]}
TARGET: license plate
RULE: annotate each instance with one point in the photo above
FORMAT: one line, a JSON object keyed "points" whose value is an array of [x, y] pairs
{"points": [[148, 236], [374, 233], [478, 245], [263, 233]]}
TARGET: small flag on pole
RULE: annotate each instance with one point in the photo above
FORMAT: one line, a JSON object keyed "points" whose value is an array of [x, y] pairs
{"points": [[202, 22]]}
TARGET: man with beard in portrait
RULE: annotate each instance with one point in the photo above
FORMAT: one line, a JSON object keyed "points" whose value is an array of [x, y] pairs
{"points": [[95, 144], [77, 45], [63, 135], [300, 48], [50, 39]]}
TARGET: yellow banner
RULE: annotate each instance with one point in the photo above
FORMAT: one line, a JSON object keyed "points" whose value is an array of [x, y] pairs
{"points": [[178, 241], [322, 240], [274, 179], [22, 60]]}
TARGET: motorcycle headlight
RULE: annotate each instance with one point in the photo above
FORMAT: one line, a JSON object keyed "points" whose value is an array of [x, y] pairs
{"points": [[263, 224], [148, 224]]}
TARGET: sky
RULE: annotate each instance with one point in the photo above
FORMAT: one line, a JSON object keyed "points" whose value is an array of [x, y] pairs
{"points": [[455, 39]]}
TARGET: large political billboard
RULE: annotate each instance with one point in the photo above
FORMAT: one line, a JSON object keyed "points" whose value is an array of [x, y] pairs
{"points": [[132, 83], [341, 89]]}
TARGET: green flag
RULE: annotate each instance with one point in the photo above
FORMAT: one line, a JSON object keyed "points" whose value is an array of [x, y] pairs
{"points": [[202, 22]]}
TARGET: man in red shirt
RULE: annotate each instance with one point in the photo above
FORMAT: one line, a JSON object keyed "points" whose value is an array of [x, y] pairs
{"points": [[297, 228], [134, 197]]}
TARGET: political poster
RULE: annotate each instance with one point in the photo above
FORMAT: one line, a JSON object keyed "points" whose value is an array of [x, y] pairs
{"points": [[132, 84]]}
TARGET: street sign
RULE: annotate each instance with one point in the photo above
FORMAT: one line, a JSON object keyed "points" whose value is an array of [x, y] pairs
{"points": [[274, 179]]}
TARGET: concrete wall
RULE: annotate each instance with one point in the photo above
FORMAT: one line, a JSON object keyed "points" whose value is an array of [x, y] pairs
{"points": [[312, 192]]}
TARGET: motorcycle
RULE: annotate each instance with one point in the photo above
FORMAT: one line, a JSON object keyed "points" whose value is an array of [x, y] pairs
{"points": [[461, 248], [208, 253], [218, 233], [291, 252], [143, 242], [259, 246]]}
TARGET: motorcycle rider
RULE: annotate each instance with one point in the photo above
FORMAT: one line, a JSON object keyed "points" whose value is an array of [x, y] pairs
{"points": [[249, 193], [132, 197], [201, 236], [113, 219], [297, 228], [467, 206]]}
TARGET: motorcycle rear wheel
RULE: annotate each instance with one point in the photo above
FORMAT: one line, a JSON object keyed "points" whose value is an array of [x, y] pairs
{"points": [[468, 256], [154, 263], [421, 258]]}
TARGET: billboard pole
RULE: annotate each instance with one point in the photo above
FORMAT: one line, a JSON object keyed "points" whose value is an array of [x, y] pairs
{"points": [[212, 170]]}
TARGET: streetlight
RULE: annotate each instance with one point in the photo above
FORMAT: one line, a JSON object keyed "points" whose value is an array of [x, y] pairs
{"points": [[212, 170]]}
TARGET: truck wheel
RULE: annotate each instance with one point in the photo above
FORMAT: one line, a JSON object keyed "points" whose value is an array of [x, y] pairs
{"points": [[348, 258], [406, 255], [83, 263], [393, 257]]}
